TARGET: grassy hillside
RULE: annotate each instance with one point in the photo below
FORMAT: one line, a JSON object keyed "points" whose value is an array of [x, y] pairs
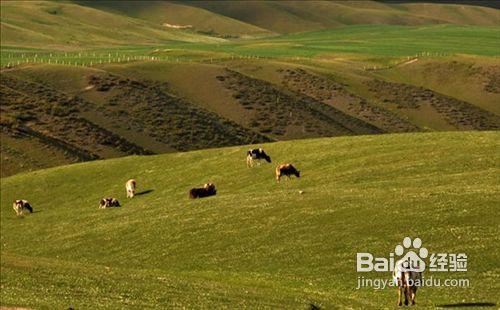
{"points": [[112, 71], [160, 12], [257, 243], [62, 25], [299, 16], [83, 24], [450, 75], [90, 114], [164, 106]]}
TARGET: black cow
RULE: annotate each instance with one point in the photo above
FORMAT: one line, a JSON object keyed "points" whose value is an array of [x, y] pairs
{"points": [[207, 190]]}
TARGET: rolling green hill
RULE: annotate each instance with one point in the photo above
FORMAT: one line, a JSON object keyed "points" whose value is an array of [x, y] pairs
{"points": [[258, 18], [62, 25], [257, 243], [89, 114], [111, 70], [178, 13], [84, 24], [172, 105], [300, 16]]}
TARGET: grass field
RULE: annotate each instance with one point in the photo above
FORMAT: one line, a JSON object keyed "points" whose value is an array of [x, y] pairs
{"points": [[375, 40], [400, 40], [382, 43], [257, 243], [87, 84]]}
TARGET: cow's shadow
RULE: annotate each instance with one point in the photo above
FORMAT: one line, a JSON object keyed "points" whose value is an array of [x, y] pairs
{"points": [[28, 214], [144, 192], [468, 304]]}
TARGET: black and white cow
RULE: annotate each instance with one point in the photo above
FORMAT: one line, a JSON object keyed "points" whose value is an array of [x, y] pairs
{"points": [[256, 154], [21, 205], [108, 203]]}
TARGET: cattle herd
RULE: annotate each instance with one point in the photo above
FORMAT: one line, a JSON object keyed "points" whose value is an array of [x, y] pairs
{"points": [[208, 189]]}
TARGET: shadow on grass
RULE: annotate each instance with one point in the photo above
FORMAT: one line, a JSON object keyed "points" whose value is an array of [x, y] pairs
{"points": [[144, 192], [15, 217], [468, 304], [314, 307]]}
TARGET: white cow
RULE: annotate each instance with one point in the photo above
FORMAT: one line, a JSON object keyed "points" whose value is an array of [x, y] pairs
{"points": [[130, 186]]}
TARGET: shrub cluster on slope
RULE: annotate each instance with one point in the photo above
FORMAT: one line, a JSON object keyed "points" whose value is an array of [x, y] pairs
{"points": [[458, 113], [336, 94], [285, 114], [148, 107]]}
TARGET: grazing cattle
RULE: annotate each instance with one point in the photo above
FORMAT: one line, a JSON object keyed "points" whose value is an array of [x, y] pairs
{"points": [[130, 186], [286, 170], [256, 154], [407, 282], [108, 203], [20, 205], [207, 190]]}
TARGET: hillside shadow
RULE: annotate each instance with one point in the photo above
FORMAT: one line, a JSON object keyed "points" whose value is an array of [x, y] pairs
{"points": [[144, 192], [467, 304]]}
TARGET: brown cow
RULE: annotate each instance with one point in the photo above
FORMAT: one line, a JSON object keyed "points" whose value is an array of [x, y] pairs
{"points": [[286, 170], [20, 205], [407, 281], [207, 190]]}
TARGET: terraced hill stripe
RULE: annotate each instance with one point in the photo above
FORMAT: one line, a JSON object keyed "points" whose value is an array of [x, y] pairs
{"points": [[147, 106], [458, 113], [54, 118], [281, 112], [336, 95]]}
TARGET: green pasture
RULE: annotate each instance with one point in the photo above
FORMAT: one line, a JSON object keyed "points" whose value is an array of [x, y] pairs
{"points": [[257, 243], [379, 41]]}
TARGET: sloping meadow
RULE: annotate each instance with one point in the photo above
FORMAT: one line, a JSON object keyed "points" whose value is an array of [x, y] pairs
{"points": [[257, 243]]}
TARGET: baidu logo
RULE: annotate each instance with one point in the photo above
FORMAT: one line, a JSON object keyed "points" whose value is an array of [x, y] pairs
{"points": [[411, 261], [407, 256], [408, 260]]}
